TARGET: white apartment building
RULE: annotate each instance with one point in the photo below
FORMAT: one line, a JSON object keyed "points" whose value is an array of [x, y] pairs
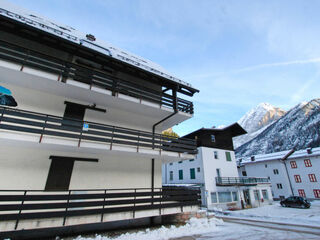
{"points": [[298, 175], [214, 169], [80, 131]]}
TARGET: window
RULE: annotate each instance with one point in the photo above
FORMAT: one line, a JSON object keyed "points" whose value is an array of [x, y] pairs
{"points": [[316, 193], [275, 171], [213, 197], [228, 156], [265, 194], [244, 173], [180, 162], [307, 163], [198, 169], [293, 164], [301, 193], [191, 160], [224, 197], [180, 174], [312, 177], [234, 196], [170, 164], [218, 172], [215, 154], [279, 185], [256, 194], [192, 173], [213, 138], [266, 165], [171, 175], [297, 178]]}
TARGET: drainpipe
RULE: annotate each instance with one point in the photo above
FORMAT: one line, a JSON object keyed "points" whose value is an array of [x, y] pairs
{"points": [[283, 160], [175, 108]]}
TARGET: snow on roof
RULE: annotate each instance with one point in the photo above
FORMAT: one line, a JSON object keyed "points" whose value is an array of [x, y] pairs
{"points": [[68, 33], [279, 155]]}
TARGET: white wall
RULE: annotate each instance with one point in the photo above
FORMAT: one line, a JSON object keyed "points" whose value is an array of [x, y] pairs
{"points": [[185, 165], [27, 168], [259, 169]]}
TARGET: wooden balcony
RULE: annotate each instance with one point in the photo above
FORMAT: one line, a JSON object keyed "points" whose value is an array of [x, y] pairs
{"points": [[108, 137], [62, 209], [94, 78], [240, 181]]}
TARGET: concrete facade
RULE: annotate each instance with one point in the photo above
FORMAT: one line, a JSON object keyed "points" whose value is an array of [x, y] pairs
{"points": [[303, 169], [208, 164]]}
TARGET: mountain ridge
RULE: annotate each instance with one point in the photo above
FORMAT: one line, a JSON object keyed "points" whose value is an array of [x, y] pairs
{"points": [[257, 119], [298, 128]]}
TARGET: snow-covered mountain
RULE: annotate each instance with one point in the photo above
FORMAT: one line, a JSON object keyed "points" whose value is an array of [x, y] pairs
{"points": [[299, 127], [257, 120]]}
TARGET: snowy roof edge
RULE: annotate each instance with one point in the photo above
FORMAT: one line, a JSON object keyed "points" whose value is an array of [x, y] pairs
{"points": [[70, 34], [279, 155]]}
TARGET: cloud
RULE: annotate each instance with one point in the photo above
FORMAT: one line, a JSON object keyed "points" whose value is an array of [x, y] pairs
{"points": [[277, 64]]}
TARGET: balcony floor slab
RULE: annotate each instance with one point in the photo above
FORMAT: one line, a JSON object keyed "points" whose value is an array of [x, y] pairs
{"points": [[142, 112]]}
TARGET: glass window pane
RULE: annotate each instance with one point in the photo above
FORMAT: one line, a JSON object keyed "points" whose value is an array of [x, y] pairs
{"points": [[228, 156], [265, 194], [224, 197], [213, 197], [235, 196], [256, 194], [180, 174], [192, 173]]}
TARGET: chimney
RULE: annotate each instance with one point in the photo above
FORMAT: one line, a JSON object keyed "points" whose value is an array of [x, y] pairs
{"points": [[90, 37], [309, 150], [252, 158]]}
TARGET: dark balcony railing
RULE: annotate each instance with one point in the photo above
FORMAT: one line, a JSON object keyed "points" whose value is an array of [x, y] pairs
{"points": [[240, 181], [16, 205], [61, 127], [93, 77]]}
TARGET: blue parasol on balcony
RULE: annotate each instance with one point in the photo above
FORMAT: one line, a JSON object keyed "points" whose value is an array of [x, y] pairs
{"points": [[6, 97]]}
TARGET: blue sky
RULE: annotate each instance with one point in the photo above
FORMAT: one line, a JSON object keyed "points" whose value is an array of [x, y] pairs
{"points": [[237, 53]]}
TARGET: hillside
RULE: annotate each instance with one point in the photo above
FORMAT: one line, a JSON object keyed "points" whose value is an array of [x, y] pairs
{"points": [[298, 127], [256, 120]]}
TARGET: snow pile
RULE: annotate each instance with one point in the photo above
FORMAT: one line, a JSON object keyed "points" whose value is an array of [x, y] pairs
{"points": [[193, 226]]}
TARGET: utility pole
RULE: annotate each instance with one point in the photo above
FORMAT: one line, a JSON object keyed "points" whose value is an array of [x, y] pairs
{"points": [[283, 160]]}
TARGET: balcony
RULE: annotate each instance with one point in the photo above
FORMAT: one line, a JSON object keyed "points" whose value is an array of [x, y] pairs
{"points": [[49, 129], [31, 209], [240, 181], [25, 60]]}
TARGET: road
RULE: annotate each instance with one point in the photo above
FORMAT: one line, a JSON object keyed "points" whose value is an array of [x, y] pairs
{"points": [[233, 231]]}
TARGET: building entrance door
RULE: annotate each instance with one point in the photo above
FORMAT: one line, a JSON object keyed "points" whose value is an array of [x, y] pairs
{"points": [[246, 196]]}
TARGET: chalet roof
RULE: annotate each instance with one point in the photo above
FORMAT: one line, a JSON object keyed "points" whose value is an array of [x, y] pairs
{"points": [[70, 34], [234, 128]]}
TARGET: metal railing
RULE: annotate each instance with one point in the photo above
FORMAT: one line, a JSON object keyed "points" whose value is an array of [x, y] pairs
{"points": [[16, 205], [234, 181], [93, 77], [68, 128]]}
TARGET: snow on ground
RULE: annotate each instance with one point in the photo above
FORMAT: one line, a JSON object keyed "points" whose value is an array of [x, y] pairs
{"points": [[193, 227], [207, 229], [202, 229], [276, 213], [232, 231]]}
